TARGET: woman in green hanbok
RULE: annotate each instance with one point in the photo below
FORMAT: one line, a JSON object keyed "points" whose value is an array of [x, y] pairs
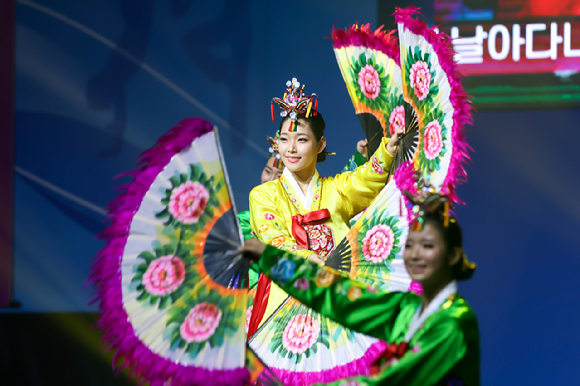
{"points": [[433, 338]]}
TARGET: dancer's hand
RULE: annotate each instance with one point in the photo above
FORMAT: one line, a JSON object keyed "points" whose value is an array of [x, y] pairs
{"points": [[361, 147], [394, 141], [253, 249], [315, 259]]}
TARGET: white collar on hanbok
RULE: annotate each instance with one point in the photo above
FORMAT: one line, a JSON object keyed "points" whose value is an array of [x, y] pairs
{"points": [[305, 200], [420, 317]]}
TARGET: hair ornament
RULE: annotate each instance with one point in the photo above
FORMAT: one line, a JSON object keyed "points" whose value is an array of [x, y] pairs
{"points": [[427, 202], [273, 149], [295, 103], [466, 264], [272, 110], [464, 269]]}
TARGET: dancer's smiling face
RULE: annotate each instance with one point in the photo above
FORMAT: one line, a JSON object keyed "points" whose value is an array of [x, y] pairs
{"points": [[299, 149], [427, 258]]}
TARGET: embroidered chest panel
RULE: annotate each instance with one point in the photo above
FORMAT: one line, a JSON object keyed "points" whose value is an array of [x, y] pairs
{"points": [[320, 239]]}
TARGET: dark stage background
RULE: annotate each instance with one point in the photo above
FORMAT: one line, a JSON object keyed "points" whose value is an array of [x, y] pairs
{"points": [[96, 82]]}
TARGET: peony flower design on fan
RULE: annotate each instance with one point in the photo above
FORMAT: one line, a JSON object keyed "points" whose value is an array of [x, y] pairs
{"points": [[188, 201], [299, 335], [432, 142], [369, 81], [200, 323], [379, 243], [191, 199], [165, 273], [394, 112], [420, 78], [207, 319], [397, 120]]}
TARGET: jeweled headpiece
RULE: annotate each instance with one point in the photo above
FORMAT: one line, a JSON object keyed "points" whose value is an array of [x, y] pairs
{"points": [[426, 202], [295, 104]]}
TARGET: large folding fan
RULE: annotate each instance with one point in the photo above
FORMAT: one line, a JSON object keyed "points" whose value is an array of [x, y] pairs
{"points": [[422, 93], [372, 251], [369, 63], [302, 347], [408, 82], [172, 286]]}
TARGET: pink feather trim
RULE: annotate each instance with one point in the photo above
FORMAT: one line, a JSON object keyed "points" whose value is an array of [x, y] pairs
{"points": [[406, 178], [106, 274], [459, 99], [385, 42], [361, 366]]}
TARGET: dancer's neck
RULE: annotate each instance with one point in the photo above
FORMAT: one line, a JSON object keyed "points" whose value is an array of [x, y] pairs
{"points": [[304, 177]]}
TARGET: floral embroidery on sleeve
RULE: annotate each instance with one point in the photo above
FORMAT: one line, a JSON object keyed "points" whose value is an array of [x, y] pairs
{"points": [[377, 166], [324, 277], [277, 242], [301, 284], [354, 293], [283, 271]]}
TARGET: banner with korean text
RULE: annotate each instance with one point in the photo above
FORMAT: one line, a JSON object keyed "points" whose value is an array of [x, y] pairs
{"points": [[516, 53]]}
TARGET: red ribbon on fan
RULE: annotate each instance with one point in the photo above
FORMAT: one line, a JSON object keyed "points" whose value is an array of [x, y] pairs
{"points": [[260, 304], [310, 218]]}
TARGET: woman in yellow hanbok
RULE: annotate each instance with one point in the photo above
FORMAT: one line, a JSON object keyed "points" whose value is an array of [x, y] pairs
{"points": [[303, 212]]}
